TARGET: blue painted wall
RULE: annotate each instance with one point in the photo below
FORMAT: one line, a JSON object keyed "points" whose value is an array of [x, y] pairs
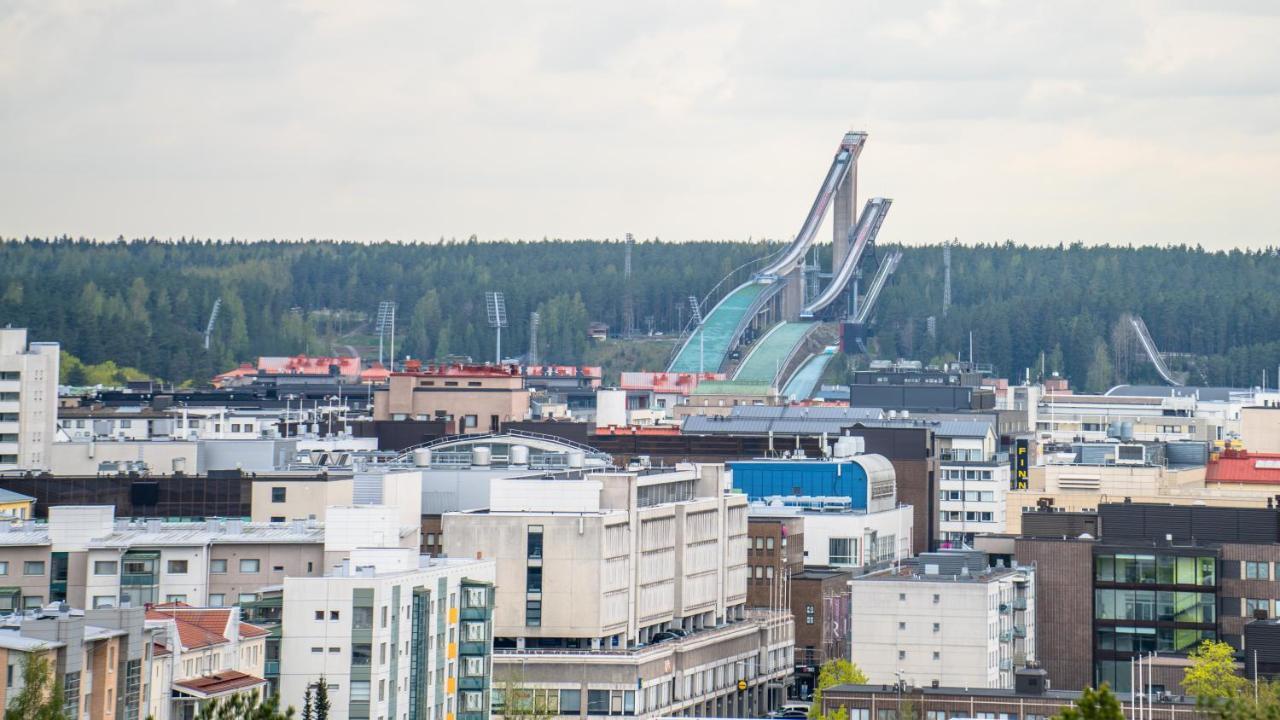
{"points": [[761, 479]]}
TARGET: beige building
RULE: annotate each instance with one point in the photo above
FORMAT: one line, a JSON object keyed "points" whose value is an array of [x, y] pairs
{"points": [[1074, 487], [28, 400], [471, 398], [624, 592], [1260, 428], [718, 397]]}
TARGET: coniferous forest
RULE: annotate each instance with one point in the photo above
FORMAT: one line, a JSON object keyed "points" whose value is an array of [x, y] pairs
{"points": [[145, 304]]}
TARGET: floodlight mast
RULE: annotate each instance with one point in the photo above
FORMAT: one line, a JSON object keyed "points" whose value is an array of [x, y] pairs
{"points": [[495, 306]]}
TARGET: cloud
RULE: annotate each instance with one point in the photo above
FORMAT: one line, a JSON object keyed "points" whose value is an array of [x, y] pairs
{"points": [[1044, 122]]}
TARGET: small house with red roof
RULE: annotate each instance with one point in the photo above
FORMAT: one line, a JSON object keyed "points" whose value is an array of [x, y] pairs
{"points": [[202, 654]]}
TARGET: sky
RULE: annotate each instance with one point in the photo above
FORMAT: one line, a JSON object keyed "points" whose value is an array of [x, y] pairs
{"points": [[1041, 122]]}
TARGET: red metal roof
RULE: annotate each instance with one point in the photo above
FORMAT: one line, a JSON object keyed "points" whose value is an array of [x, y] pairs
{"points": [[666, 383], [464, 370], [202, 627], [218, 683], [1239, 466]]}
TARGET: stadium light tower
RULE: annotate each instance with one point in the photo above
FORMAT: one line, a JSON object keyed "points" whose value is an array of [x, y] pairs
{"points": [[386, 325], [495, 306]]}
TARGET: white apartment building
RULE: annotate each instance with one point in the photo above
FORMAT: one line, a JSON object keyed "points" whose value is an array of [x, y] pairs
{"points": [[946, 618], [201, 655], [844, 537], [28, 400], [624, 592], [971, 497], [394, 634]]}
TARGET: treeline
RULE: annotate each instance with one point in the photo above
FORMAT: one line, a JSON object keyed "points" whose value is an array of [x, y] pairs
{"points": [[145, 304]]}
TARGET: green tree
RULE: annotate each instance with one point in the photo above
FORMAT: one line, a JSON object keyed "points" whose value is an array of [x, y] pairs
{"points": [[322, 699], [244, 706], [1100, 373], [518, 702], [41, 695], [1100, 704], [1212, 675], [834, 672]]}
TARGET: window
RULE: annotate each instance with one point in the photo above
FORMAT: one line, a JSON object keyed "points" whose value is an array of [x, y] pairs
{"points": [[902, 597], [473, 632], [902, 654], [33, 567], [105, 567], [362, 617], [472, 701], [808, 614], [32, 602], [768, 543], [597, 702], [250, 565], [1257, 570], [359, 691], [937, 655], [217, 567], [533, 580], [532, 613], [472, 666], [334, 616], [937, 627], [469, 420], [841, 551], [1253, 605], [534, 542], [217, 600], [902, 626], [277, 518], [4, 567], [178, 567], [246, 597], [475, 597], [319, 615], [277, 494], [104, 601], [361, 653], [175, 598], [937, 598], [570, 702]]}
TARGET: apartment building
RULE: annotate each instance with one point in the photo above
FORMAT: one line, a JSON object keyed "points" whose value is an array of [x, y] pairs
{"points": [[972, 489], [28, 400], [625, 592], [947, 618], [394, 634], [99, 657], [201, 655], [820, 604]]}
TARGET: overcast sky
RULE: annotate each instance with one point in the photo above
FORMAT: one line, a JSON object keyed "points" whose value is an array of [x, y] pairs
{"points": [[1043, 122]]}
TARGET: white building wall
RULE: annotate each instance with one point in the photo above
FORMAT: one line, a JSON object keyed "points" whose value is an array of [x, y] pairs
{"points": [[28, 400], [820, 528]]}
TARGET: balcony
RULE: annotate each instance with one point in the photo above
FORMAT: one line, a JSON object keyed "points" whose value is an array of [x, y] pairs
{"points": [[1019, 631], [271, 668], [1006, 636], [1020, 603], [1006, 664]]}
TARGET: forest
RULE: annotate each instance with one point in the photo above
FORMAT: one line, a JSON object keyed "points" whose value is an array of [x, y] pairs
{"points": [[144, 304]]}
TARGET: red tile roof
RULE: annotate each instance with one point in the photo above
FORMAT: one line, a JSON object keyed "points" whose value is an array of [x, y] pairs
{"points": [[1239, 466], [218, 683]]}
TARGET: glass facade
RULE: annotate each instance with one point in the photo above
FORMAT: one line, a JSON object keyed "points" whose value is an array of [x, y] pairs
{"points": [[1150, 602]]}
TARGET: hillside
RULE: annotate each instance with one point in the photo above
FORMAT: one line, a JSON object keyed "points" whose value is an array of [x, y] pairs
{"points": [[145, 304]]}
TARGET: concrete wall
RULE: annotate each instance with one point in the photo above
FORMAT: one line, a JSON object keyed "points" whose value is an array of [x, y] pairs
{"points": [[304, 499], [1260, 429]]}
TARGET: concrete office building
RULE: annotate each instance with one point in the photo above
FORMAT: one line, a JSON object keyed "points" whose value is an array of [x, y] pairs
{"points": [[394, 634], [948, 618], [28, 400], [625, 592], [838, 536]]}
